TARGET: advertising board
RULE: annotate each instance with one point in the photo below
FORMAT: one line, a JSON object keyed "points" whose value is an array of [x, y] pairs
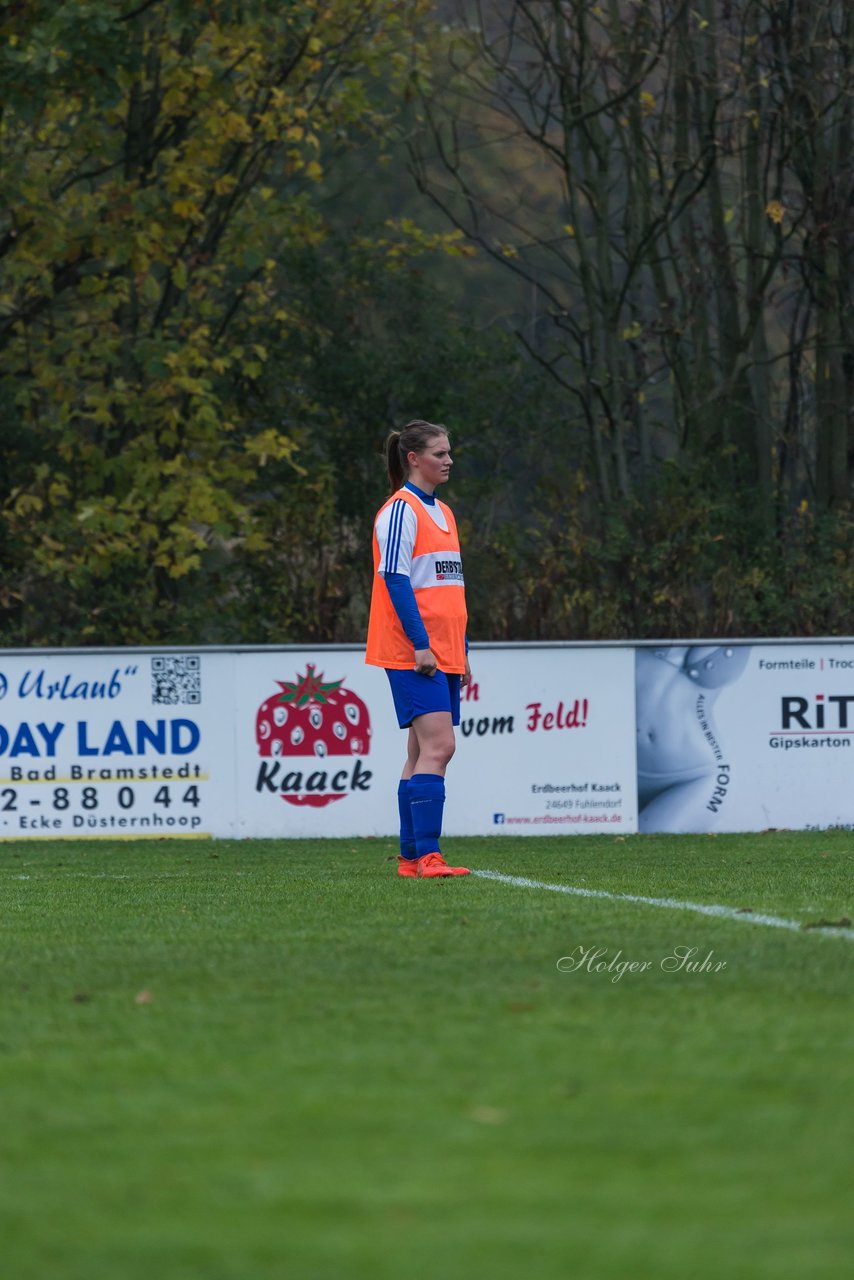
{"points": [[539, 746], [301, 742], [546, 744], [745, 737], [121, 744], [304, 742]]}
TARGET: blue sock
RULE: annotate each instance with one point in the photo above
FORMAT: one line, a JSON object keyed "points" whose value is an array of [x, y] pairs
{"points": [[427, 800], [407, 835]]}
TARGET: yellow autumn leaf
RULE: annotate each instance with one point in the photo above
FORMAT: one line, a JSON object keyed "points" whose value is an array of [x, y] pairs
{"points": [[775, 211], [187, 209]]}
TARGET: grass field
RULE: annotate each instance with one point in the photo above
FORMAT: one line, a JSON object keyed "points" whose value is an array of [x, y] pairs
{"points": [[247, 1060]]}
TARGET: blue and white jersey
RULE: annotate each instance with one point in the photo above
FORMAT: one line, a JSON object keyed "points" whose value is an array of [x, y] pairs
{"points": [[396, 527]]}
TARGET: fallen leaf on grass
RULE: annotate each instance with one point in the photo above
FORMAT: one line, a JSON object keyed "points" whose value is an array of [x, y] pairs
{"points": [[82, 997], [143, 997], [488, 1115], [400, 1213]]}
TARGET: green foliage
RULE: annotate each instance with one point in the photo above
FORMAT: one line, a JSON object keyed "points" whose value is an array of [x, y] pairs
{"points": [[692, 562], [157, 162], [217, 295], [373, 343]]}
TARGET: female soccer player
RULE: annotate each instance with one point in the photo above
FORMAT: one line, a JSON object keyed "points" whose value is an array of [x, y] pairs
{"points": [[417, 631]]}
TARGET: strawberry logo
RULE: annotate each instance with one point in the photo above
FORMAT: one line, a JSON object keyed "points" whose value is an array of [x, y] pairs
{"points": [[314, 720]]}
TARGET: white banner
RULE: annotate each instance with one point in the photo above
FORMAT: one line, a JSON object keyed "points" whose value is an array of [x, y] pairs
{"points": [[119, 745], [745, 737], [552, 740], [545, 744], [313, 742], [305, 743], [319, 751]]}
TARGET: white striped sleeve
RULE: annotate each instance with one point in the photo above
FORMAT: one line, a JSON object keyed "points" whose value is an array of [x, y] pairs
{"points": [[396, 528]]}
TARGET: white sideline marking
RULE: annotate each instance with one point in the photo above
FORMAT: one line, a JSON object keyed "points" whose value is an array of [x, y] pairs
{"points": [[704, 909]]}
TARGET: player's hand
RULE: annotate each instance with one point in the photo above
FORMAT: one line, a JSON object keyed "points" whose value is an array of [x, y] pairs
{"points": [[425, 662], [465, 678]]}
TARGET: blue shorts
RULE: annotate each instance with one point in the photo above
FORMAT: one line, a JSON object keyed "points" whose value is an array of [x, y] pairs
{"points": [[417, 695]]}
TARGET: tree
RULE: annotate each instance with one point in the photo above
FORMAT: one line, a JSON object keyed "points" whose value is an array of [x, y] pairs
{"points": [[374, 344], [158, 159], [676, 182]]}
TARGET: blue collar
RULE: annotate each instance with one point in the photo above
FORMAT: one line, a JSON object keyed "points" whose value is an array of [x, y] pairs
{"points": [[429, 498]]}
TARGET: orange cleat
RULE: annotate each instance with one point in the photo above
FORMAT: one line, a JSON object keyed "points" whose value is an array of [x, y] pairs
{"points": [[433, 864], [407, 867]]}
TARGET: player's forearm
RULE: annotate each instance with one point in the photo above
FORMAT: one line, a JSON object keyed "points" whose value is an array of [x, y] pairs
{"points": [[406, 607]]}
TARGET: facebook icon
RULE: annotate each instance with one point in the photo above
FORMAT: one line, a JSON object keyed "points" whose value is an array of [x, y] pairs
{"points": [[498, 818]]}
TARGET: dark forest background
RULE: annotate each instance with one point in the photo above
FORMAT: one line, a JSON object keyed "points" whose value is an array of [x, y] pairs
{"points": [[609, 245]]}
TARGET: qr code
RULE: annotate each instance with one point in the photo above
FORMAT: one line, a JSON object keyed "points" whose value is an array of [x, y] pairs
{"points": [[176, 679]]}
